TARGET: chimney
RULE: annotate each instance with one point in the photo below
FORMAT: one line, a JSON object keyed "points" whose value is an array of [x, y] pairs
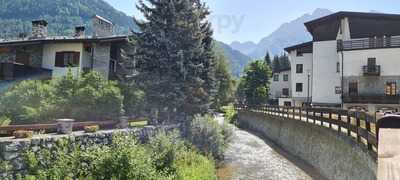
{"points": [[39, 29], [79, 31], [102, 27]]}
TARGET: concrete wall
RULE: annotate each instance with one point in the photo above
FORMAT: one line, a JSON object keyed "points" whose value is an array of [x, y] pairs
{"points": [[306, 60], [325, 75], [334, 156]]}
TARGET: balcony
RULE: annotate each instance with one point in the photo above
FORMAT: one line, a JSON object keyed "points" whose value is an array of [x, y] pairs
{"points": [[372, 70], [369, 43], [371, 99]]}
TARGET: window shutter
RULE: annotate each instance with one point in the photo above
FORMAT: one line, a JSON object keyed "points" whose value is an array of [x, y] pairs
{"points": [[59, 60]]}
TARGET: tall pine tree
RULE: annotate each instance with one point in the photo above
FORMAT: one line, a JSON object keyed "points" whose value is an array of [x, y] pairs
{"points": [[267, 59], [175, 57]]}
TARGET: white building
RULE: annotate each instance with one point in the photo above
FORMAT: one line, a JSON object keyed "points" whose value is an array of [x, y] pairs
{"points": [[355, 61], [280, 91], [301, 61]]}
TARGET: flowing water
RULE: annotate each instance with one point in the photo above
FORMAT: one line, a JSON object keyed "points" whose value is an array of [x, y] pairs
{"points": [[252, 158]]}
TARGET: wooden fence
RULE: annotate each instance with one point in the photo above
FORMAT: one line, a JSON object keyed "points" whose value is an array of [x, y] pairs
{"points": [[359, 125]]}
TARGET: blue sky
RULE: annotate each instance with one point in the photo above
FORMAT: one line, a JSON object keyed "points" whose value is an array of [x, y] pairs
{"points": [[251, 20]]}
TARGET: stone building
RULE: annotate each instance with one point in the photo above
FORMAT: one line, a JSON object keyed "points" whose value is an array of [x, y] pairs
{"points": [[44, 56]]}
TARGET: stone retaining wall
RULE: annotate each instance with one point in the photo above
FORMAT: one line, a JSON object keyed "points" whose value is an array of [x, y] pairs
{"points": [[335, 156], [12, 150]]}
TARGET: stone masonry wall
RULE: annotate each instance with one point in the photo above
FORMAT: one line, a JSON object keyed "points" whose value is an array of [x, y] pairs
{"points": [[335, 156], [12, 150]]}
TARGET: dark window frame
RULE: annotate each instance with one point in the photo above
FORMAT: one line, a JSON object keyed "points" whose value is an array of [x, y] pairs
{"points": [[299, 87], [276, 77], [353, 88], [67, 59], [285, 91], [299, 69], [286, 77]]}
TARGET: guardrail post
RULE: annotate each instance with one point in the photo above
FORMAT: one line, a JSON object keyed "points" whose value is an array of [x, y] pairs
{"points": [[330, 118], [307, 114], [294, 113], [300, 112], [348, 124], [368, 127], [322, 115], [358, 124], [314, 116], [339, 124]]}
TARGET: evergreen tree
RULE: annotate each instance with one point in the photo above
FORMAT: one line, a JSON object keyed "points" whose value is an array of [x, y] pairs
{"points": [[284, 62], [267, 59], [175, 57], [276, 65], [226, 83]]}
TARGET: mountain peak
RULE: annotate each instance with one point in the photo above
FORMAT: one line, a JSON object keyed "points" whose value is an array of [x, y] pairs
{"points": [[287, 34]]}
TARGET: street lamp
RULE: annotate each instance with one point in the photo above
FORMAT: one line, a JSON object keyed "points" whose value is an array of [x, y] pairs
{"points": [[308, 87]]}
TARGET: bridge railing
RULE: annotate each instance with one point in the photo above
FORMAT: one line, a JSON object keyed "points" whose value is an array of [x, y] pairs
{"points": [[361, 126]]}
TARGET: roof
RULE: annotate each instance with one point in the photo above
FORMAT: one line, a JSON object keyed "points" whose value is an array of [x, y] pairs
{"points": [[103, 19], [41, 22], [362, 25], [63, 39], [305, 45]]}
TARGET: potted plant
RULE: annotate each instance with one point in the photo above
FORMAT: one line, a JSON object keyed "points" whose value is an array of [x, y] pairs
{"points": [[64, 126]]}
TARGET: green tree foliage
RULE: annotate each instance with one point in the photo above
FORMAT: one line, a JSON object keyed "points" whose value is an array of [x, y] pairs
{"points": [[165, 157], [280, 63], [268, 60], [175, 57], [225, 83], [255, 84], [87, 98], [63, 16]]}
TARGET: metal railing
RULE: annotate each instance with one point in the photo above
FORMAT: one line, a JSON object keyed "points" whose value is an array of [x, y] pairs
{"points": [[361, 126], [369, 43]]}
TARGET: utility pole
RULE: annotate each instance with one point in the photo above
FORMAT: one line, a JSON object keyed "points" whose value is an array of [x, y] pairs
{"points": [[308, 87]]}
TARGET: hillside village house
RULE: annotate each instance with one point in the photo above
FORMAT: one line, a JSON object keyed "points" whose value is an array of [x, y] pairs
{"points": [[280, 87], [354, 60], [43, 56]]}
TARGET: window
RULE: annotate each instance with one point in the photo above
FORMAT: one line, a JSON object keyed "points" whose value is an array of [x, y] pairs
{"points": [[285, 77], [338, 67], [276, 77], [353, 88], [391, 89], [299, 68], [299, 53], [371, 62], [67, 59], [299, 87], [285, 92]]}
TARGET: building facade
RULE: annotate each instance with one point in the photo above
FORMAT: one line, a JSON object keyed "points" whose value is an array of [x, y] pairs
{"points": [[280, 91], [55, 56], [354, 61]]}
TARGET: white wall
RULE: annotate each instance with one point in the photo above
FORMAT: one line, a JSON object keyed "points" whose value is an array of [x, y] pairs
{"points": [[49, 56], [388, 59], [345, 27], [277, 86], [306, 60], [325, 76]]}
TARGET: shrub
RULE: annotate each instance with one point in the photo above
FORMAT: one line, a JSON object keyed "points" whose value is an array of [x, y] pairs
{"points": [[134, 100], [208, 136], [91, 129], [192, 166], [28, 102], [88, 97], [230, 113], [20, 134], [166, 157]]}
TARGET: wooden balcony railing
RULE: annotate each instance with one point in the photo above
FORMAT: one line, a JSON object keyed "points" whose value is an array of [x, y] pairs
{"points": [[361, 126], [372, 70], [369, 43]]}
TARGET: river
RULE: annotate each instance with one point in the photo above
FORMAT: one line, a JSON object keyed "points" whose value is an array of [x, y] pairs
{"points": [[252, 158]]}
